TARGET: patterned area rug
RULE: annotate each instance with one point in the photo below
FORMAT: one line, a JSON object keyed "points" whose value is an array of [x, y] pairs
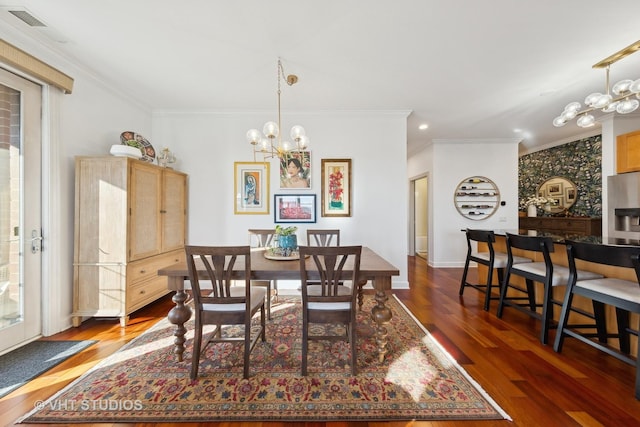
{"points": [[143, 382]]}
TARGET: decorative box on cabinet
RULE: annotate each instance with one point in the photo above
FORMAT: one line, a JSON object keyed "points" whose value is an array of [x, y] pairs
{"points": [[628, 152], [130, 221], [583, 226]]}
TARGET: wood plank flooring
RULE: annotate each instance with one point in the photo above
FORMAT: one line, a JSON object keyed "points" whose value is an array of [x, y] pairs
{"points": [[532, 383]]}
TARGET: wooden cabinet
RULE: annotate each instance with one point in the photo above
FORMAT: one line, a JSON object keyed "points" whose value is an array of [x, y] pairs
{"points": [[130, 221], [628, 152], [563, 225]]}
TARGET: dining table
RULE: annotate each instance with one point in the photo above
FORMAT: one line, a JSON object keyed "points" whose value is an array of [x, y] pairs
{"points": [[373, 268]]}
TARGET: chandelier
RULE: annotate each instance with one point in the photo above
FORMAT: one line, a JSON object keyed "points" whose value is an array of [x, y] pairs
{"points": [[269, 142], [621, 97]]}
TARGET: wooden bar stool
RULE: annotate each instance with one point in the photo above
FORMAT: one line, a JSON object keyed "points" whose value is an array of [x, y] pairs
{"points": [[492, 259], [624, 295], [545, 272]]}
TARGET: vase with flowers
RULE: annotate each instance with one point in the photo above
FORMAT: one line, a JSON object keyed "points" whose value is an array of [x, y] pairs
{"points": [[533, 203]]}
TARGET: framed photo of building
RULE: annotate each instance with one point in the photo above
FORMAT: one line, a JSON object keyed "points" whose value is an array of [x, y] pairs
{"points": [[294, 207], [251, 184], [336, 187]]}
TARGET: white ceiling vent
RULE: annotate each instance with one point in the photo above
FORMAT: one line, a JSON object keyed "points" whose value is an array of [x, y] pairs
{"points": [[27, 18]]}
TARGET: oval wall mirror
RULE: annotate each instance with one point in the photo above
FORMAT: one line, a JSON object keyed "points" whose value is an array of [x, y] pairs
{"points": [[560, 189]]}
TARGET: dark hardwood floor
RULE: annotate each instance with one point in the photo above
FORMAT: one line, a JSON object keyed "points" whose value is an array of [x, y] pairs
{"points": [[532, 383]]}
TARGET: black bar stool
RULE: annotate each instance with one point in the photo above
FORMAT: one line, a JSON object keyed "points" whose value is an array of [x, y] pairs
{"points": [[492, 259], [545, 272], [624, 295]]}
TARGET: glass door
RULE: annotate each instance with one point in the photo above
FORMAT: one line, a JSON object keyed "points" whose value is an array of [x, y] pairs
{"points": [[20, 210]]}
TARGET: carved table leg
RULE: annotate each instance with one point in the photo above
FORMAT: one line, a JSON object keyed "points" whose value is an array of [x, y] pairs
{"points": [[179, 315], [361, 284], [381, 314]]}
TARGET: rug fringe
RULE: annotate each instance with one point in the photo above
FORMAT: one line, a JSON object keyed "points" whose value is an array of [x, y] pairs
{"points": [[455, 362]]}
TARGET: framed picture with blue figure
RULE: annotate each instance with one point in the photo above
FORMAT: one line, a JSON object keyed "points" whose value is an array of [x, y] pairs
{"points": [[251, 184]]}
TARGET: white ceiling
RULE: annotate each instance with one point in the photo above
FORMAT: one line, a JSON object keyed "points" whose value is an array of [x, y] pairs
{"points": [[468, 68]]}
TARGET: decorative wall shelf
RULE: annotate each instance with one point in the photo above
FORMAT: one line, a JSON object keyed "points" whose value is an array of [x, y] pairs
{"points": [[476, 198]]}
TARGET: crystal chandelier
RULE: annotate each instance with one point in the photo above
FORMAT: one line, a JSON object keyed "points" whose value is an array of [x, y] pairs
{"points": [[269, 142], [620, 98]]}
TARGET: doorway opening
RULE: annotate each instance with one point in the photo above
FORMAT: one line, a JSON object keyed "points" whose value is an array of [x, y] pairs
{"points": [[420, 217]]}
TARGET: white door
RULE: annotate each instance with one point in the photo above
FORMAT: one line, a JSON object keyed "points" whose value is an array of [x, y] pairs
{"points": [[20, 210]]}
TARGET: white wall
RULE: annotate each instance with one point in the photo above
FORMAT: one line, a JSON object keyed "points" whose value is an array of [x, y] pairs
{"points": [[208, 143], [448, 163]]}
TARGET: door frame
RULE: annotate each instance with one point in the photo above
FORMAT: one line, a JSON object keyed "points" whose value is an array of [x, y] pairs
{"points": [[53, 319], [412, 212]]}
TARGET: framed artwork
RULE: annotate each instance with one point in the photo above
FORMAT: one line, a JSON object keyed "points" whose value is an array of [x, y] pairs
{"points": [[251, 184], [294, 207], [336, 187], [570, 193], [295, 170], [554, 188]]}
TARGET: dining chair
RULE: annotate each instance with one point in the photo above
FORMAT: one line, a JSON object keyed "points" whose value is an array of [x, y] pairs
{"points": [[264, 238], [491, 258], [223, 304], [624, 295], [323, 237], [545, 272], [324, 299], [331, 237]]}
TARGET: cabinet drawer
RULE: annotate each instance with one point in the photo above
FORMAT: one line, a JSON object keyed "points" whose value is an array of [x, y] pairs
{"points": [[148, 267], [142, 293], [571, 225]]}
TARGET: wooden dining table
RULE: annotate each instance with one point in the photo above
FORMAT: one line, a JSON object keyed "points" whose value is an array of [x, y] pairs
{"points": [[372, 267]]}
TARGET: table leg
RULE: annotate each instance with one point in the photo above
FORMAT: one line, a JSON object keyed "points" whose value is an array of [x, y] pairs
{"points": [[381, 314], [179, 315], [361, 284]]}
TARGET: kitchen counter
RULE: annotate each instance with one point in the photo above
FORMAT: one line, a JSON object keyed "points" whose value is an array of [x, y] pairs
{"points": [[560, 238]]}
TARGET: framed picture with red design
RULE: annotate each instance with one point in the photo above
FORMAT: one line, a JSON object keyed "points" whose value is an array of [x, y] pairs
{"points": [[294, 207], [336, 187]]}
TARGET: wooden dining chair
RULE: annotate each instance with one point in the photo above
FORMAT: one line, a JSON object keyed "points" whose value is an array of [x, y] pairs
{"points": [[624, 295], [323, 237], [222, 303], [264, 238], [324, 299], [331, 237]]}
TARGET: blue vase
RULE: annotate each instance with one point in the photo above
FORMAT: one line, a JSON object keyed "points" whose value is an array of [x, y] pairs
{"points": [[288, 244]]}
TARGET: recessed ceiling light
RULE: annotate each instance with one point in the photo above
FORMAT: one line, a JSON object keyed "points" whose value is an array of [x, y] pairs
{"points": [[517, 130], [423, 126]]}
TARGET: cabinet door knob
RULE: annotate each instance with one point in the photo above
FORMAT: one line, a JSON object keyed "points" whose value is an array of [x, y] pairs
{"points": [[163, 211]]}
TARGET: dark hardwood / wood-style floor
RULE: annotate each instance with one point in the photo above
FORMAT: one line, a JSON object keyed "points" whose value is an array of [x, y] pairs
{"points": [[532, 383]]}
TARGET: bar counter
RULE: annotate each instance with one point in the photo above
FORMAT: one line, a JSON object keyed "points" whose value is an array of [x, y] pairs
{"points": [[562, 237], [559, 257]]}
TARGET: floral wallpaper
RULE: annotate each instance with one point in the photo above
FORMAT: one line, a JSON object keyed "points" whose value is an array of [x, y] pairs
{"points": [[579, 161]]}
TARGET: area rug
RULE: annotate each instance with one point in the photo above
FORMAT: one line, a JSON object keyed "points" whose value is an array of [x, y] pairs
{"points": [[27, 362], [143, 382]]}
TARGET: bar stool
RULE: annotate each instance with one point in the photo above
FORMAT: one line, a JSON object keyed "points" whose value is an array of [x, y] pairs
{"points": [[492, 259], [545, 272], [624, 295]]}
